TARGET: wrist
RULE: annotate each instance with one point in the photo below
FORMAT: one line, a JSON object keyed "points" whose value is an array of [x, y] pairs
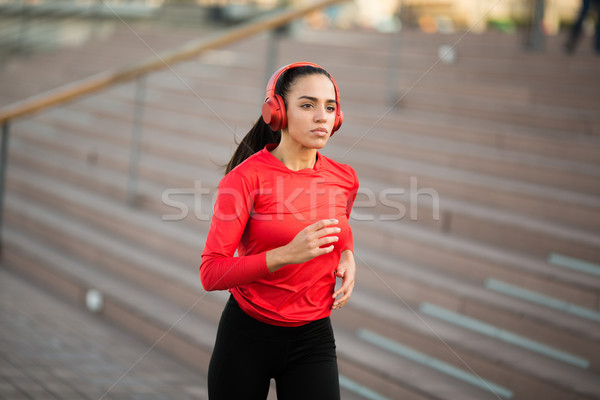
{"points": [[276, 259]]}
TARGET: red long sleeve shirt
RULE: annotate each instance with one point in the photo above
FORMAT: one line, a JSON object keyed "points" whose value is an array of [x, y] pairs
{"points": [[262, 205]]}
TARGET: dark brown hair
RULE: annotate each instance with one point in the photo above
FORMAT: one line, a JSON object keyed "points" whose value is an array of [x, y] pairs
{"points": [[261, 134]]}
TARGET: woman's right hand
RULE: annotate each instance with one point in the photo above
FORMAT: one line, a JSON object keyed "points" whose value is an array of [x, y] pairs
{"points": [[306, 245]]}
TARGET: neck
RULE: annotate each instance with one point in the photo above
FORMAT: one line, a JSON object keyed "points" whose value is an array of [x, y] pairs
{"points": [[295, 156]]}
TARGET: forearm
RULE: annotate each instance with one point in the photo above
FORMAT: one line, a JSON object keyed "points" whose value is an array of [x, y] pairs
{"points": [[222, 273], [306, 245]]}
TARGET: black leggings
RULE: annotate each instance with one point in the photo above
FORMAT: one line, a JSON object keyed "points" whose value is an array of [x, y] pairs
{"points": [[248, 353]]}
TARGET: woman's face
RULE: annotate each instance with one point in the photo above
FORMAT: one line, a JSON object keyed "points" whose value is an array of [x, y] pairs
{"points": [[311, 110]]}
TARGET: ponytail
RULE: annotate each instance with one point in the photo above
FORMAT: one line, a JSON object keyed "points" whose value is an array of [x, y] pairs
{"points": [[255, 140]]}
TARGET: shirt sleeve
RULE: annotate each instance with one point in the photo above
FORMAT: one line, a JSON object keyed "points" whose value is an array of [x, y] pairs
{"points": [[220, 269], [350, 203]]}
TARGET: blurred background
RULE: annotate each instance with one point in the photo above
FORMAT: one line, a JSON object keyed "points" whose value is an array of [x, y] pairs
{"points": [[474, 127]]}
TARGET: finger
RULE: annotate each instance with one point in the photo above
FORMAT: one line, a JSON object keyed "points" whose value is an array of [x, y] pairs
{"points": [[328, 231], [343, 300], [341, 271], [338, 293], [322, 224], [323, 250], [342, 289], [327, 240]]}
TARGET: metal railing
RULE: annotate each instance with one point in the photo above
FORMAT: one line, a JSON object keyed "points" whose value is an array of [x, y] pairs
{"points": [[95, 83]]}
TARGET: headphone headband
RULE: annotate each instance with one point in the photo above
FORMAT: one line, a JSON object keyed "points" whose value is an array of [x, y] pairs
{"points": [[273, 110]]}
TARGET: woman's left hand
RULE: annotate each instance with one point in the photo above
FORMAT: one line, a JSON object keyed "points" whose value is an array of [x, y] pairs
{"points": [[347, 271]]}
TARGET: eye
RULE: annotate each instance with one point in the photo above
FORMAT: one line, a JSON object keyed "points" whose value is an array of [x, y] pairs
{"points": [[331, 108], [306, 105]]}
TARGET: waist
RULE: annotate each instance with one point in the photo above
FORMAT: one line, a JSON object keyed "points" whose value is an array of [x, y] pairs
{"points": [[234, 314]]}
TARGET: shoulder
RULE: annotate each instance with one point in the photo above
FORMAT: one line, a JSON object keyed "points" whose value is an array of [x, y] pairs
{"points": [[340, 169], [343, 173], [248, 170]]}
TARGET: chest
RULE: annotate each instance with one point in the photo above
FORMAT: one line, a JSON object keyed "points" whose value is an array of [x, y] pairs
{"points": [[282, 207], [304, 199]]}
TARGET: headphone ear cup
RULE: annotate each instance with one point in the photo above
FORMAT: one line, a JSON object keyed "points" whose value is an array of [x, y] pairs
{"points": [[339, 118], [274, 114]]}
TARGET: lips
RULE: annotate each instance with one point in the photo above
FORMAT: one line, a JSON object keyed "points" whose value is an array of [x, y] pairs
{"points": [[320, 131]]}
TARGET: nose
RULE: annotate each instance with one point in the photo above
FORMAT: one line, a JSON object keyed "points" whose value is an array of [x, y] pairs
{"points": [[320, 114]]}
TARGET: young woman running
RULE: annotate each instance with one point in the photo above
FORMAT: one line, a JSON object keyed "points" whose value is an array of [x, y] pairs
{"points": [[284, 207]]}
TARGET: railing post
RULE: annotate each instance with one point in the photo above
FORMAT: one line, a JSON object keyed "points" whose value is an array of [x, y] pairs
{"points": [[393, 67], [3, 156], [273, 52], [96, 15], [21, 42], [271, 56], [536, 34], [273, 46], [136, 139]]}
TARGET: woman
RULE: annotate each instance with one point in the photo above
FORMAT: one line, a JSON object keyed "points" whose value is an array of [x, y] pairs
{"points": [[284, 207], [577, 27]]}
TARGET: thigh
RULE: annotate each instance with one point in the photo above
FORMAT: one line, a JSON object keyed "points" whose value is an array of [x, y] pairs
{"points": [[238, 366], [318, 381], [311, 370]]}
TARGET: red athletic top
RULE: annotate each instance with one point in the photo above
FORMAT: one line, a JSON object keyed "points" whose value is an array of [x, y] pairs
{"points": [[262, 205]]}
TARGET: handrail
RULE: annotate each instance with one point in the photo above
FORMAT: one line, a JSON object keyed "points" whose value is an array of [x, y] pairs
{"points": [[187, 51]]}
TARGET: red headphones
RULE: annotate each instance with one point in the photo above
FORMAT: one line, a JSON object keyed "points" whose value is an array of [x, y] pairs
{"points": [[273, 109]]}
